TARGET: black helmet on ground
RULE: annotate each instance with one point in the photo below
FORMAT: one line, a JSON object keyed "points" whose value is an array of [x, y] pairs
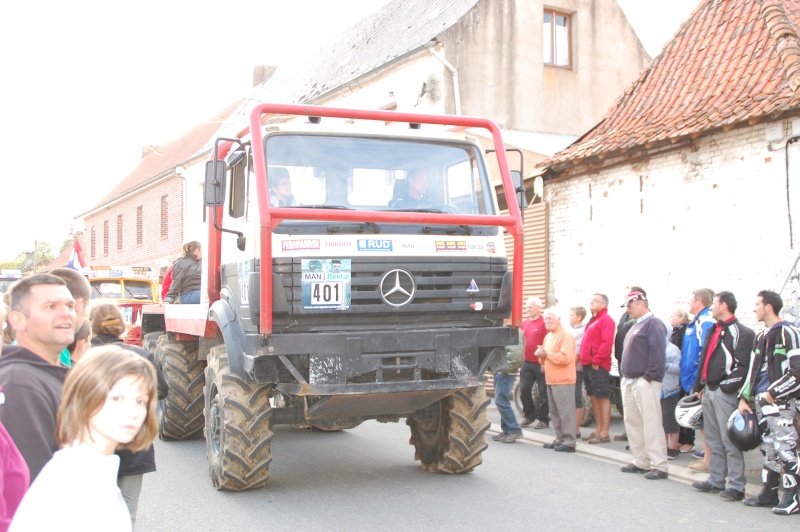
{"points": [[743, 430]]}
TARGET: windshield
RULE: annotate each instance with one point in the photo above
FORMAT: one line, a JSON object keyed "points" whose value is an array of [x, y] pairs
{"points": [[377, 174], [141, 290]]}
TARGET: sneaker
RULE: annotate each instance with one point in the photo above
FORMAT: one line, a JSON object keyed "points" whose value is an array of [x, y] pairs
{"points": [[499, 436], [686, 448], [542, 425], [655, 474], [525, 422], [564, 449], [672, 454], [706, 486], [511, 437], [731, 494], [552, 445], [698, 466], [699, 454], [621, 437], [632, 468]]}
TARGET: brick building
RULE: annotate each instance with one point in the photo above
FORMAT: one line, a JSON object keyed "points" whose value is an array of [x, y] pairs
{"points": [[690, 180], [145, 219]]}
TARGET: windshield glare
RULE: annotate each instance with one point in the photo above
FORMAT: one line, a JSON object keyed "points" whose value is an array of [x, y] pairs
{"points": [[377, 174]]}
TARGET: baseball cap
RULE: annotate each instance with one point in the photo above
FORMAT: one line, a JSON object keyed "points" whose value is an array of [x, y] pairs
{"points": [[633, 296]]}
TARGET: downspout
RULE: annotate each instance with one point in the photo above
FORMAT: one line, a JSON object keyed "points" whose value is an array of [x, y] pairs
{"points": [[180, 175], [454, 72]]}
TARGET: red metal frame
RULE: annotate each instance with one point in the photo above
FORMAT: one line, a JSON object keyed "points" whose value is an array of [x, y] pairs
{"points": [[271, 217]]}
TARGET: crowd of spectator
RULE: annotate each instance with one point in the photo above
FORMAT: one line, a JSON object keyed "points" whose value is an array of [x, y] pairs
{"points": [[74, 419], [704, 356]]}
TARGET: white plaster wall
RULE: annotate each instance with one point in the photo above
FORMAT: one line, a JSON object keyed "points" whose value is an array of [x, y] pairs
{"points": [[713, 215]]}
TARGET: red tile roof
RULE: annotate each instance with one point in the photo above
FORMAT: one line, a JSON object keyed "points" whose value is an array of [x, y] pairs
{"points": [[732, 61], [161, 159]]}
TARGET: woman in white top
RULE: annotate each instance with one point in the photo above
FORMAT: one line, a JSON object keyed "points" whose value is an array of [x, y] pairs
{"points": [[109, 403]]}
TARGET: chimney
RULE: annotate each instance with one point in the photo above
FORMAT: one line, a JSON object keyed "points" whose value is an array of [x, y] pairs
{"points": [[262, 73]]}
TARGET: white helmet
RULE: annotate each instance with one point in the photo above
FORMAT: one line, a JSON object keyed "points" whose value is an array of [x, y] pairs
{"points": [[689, 412]]}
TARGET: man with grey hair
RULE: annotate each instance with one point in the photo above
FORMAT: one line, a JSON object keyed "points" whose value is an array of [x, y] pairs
{"points": [[642, 372], [557, 354], [534, 330]]}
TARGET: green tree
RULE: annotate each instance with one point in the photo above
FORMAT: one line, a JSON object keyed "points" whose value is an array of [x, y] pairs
{"points": [[24, 260]]}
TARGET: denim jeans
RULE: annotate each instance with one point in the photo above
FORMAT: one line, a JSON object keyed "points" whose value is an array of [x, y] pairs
{"points": [[503, 387], [190, 298]]}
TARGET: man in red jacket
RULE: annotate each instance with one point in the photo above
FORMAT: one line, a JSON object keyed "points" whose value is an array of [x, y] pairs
{"points": [[598, 342]]}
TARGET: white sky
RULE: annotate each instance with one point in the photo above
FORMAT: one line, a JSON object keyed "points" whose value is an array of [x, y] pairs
{"points": [[87, 83]]}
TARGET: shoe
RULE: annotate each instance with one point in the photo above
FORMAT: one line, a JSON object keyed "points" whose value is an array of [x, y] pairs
{"points": [[511, 437], [564, 449], [706, 486], [589, 437], [599, 439], [552, 445], [672, 454], [769, 493], [525, 422], [655, 474], [699, 454], [498, 437], [542, 425], [698, 466], [686, 448], [621, 437], [731, 494], [632, 468], [790, 504]]}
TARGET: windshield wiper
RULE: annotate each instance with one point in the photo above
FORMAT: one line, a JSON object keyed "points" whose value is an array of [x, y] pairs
{"points": [[338, 207], [416, 210]]}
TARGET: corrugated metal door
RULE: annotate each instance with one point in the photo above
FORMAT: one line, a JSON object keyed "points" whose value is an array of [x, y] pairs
{"points": [[535, 277]]}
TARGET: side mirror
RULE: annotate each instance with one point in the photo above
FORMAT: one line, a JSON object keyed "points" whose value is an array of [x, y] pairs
{"points": [[519, 186], [214, 191]]}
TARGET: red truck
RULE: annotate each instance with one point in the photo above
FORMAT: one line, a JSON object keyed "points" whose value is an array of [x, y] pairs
{"points": [[328, 301]]}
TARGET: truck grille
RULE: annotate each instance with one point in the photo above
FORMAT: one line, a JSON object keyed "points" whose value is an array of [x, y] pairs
{"points": [[431, 293]]}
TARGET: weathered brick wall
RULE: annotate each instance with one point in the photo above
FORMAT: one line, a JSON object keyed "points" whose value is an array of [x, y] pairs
{"points": [[159, 244], [711, 215]]}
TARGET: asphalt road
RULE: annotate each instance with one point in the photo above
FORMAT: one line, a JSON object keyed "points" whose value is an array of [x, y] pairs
{"points": [[366, 479]]}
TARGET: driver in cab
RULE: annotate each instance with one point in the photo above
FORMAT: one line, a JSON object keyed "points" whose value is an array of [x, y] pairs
{"points": [[280, 191], [414, 196]]}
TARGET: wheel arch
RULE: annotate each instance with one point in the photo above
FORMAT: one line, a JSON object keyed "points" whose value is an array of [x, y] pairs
{"points": [[223, 313]]}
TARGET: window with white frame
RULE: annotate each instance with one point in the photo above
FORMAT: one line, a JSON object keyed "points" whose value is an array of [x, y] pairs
{"points": [[556, 38]]}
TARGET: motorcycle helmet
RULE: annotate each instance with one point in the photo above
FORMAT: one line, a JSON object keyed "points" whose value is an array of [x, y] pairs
{"points": [[689, 412], [743, 431]]}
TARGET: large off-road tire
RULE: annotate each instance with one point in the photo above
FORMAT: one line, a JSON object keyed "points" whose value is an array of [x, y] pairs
{"points": [[448, 436], [534, 395], [238, 427], [180, 415], [150, 342]]}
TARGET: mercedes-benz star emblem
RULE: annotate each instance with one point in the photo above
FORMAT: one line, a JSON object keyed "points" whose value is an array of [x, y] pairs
{"points": [[397, 288]]}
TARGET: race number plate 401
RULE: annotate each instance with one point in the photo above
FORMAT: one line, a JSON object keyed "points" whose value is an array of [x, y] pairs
{"points": [[325, 284]]}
